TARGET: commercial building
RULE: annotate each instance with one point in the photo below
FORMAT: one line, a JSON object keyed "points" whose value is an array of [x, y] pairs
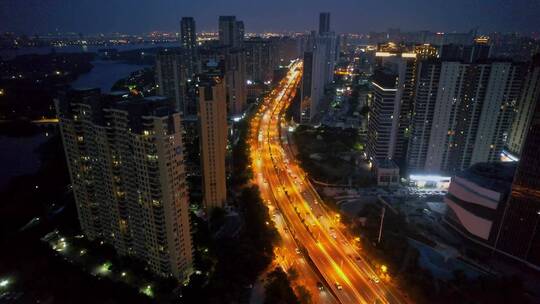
{"points": [[386, 172], [393, 87], [172, 76], [212, 112], [385, 105], [476, 200], [529, 98], [126, 163]]}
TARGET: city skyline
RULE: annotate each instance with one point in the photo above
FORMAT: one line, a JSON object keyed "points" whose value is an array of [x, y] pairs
{"points": [[354, 152], [34, 17]]}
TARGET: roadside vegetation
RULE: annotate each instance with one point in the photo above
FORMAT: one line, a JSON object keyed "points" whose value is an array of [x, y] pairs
{"points": [[332, 155]]}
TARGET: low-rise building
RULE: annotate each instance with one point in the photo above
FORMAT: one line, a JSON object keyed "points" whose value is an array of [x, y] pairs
{"points": [[476, 199], [386, 171]]}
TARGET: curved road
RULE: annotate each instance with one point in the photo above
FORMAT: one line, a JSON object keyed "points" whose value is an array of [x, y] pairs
{"points": [[309, 230]]}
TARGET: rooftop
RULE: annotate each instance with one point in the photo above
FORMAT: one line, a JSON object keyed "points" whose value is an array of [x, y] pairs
{"points": [[496, 176], [385, 164]]}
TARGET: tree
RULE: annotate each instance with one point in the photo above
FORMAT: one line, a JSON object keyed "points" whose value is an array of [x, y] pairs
{"points": [[303, 295], [278, 289]]}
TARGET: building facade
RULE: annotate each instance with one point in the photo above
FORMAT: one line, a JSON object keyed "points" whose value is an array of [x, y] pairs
{"points": [[477, 198], [319, 60], [520, 231], [172, 76], [212, 112], [235, 78], [261, 59], [188, 39], [382, 127], [393, 88], [529, 98], [462, 114], [231, 31], [324, 23], [126, 163]]}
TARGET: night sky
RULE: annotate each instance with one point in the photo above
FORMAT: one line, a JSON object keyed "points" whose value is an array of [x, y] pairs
{"points": [[359, 16]]}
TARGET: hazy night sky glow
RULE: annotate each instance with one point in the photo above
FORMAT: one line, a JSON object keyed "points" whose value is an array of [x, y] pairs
{"points": [[361, 16]]}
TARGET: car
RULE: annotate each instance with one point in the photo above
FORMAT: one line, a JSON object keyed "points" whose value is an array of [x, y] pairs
{"points": [[320, 286], [338, 286]]}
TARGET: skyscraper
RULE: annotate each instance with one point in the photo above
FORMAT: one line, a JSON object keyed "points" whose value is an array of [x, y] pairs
{"points": [[321, 53], [125, 159], [188, 38], [520, 232], [322, 71], [240, 34], [393, 90], [382, 121], [423, 117], [529, 98], [261, 59], [305, 90], [235, 77], [462, 114], [231, 31], [324, 23], [212, 112], [171, 76]]}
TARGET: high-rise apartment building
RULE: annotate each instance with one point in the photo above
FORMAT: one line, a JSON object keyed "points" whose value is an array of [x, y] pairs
{"points": [[321, 53], [212, 112], [126, 163], [172, 75], [235, 78], [324, 23], [231, 31], [423, 116], [479, 50], [287, 49], [188, 39], [240, 32], [261, 59], [520, 231], [462, 114], [305, 88], [529, 98]]}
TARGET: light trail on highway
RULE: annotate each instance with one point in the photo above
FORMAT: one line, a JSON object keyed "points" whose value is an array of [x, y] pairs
{"points": [[327, 252]]}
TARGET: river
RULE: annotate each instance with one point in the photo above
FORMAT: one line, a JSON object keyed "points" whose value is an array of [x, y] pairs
{"points": [[18, 155], [105, 74]]}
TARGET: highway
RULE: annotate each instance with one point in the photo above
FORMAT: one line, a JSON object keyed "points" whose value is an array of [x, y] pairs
{"points": [[314, 242]]}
